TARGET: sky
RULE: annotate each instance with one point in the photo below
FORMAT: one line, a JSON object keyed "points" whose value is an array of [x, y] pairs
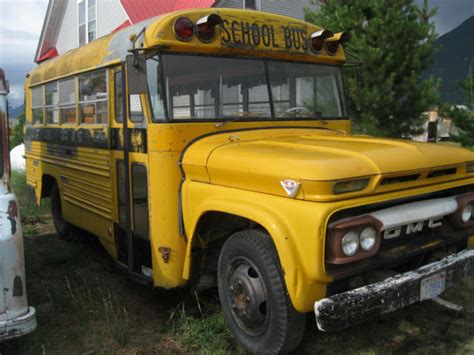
{"points": [[21, 22]]}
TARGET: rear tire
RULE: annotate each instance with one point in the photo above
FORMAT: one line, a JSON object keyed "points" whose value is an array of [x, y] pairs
{"points": [[254, 297], [63, 228]]}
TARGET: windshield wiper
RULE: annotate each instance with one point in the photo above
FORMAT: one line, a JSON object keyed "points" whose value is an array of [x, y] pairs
{"points": [[240, 116]]}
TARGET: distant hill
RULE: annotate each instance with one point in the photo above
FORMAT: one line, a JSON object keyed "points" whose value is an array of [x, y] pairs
{"points": [[451, 62], [15, 112]]}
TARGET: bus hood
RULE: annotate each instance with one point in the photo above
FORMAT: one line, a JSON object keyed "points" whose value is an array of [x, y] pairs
{"points": [[261, 159]]}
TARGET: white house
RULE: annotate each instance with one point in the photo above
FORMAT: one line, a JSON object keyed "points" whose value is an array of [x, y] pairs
{"points": [[71, 23]]}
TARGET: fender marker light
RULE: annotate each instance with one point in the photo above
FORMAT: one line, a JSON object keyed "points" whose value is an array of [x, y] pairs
{"points": [[317, 40], [291, 187], [345, 186], [470, 168], [333, 43], [206, 27]]}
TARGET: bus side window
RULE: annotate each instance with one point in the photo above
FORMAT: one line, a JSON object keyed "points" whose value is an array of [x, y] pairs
{"points": [[67, 101], [140, 199], [93, 103], [51, 101], [118, 97], [37, 104]]}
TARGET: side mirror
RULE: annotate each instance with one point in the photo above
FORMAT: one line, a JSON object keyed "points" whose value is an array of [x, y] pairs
{"points": [[136, 74]]}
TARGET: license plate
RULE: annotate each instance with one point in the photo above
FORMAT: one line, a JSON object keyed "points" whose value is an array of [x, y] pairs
{"points": [[432, 286]]}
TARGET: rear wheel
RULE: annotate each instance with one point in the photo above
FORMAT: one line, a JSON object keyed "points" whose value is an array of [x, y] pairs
{"points": [[63, 228], [253, 295]]}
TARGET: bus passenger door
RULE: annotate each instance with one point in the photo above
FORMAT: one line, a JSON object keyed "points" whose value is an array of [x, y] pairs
{"points": [[132, 235]]}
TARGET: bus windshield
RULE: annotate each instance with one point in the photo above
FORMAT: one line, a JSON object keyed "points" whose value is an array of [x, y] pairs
{"points": [[205, 87]]}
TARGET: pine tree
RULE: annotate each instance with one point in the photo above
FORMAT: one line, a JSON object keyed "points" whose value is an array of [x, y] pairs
{"points": [[462, 117], [393, 39]]}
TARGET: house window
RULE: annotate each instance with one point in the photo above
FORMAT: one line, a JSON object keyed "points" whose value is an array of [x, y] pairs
{"points": [[87, 21], [252, 4]]}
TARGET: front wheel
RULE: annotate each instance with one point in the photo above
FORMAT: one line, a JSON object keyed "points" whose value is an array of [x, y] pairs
{"points": [[253, 295], [63, 228]]}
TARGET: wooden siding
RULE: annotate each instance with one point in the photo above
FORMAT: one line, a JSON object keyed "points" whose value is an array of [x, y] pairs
{"points": [[110, 15], [68, 31]]}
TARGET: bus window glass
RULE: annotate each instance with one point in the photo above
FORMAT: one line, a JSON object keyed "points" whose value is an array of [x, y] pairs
{"points": [[140, 199], [93, 106], [51, 100], [67, 101], [154, 88], [305, 90], [37, 104], [213, 87], [121, 192], [136, 111], [118, 97]]}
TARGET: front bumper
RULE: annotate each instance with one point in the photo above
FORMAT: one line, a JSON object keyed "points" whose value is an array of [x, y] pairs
{"points": [[19, 326], [345, 309]]}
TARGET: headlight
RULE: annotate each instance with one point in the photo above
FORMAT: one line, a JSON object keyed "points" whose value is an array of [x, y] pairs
{"points": [[467, 213], [368, 238], [345, 186], [470, 168], [350, 244]]}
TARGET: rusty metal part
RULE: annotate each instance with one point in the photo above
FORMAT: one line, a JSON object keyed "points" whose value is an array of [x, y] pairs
{"points": [[165, 254], [248, 297], [348, 308]]}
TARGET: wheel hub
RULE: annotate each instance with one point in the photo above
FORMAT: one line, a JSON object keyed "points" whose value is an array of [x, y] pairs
{"points": [[248, 296]]}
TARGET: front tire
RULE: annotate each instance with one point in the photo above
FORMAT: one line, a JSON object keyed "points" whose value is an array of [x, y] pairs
{"points": [[63, 228], [253, 295]]}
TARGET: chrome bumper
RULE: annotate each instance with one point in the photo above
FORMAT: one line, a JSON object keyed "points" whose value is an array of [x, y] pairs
{"points": [[19, 326], [345, 309]]}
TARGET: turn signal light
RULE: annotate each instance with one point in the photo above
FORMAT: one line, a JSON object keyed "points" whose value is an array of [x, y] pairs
{"points": [[333, 43], [206, 27], [183, 29], [317, 40]]}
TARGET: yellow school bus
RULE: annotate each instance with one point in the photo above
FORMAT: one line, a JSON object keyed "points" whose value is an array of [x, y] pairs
{"points": [[213, 147]]}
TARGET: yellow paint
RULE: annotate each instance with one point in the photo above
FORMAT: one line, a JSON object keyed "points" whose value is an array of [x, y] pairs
{"points": [[470, 242], [236, 173]]}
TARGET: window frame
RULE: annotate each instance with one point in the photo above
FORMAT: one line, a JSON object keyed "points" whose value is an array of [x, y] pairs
{"points": [[266, 60], [33, 108], [106, 99], [86, 21], [68, 104], [53, 106]]}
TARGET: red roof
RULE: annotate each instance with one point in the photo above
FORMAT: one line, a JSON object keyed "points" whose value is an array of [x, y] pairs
{"points": [[139, 10], [50, 53]]}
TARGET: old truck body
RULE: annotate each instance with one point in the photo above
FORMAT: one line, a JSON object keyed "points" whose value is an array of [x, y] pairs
{"points": [[16, 317]]}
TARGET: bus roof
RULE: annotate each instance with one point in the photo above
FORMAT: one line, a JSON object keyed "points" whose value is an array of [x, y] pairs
{"points": [[242, 33]]}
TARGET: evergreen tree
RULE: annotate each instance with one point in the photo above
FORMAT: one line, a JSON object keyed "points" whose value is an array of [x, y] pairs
{"points": [[462, 117], [393, 39], [16, 133]]}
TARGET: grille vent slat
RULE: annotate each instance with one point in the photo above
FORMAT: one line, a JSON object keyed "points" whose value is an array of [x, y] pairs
{"points": [[443, 172]]}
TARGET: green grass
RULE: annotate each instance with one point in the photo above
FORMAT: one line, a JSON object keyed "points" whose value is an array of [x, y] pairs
{"points": [[28, 208]]}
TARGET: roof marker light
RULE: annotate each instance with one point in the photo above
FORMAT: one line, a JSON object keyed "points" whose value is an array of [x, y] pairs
{"points": [[183, 29], [333, 43], [206, 27], [317, 39]]}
